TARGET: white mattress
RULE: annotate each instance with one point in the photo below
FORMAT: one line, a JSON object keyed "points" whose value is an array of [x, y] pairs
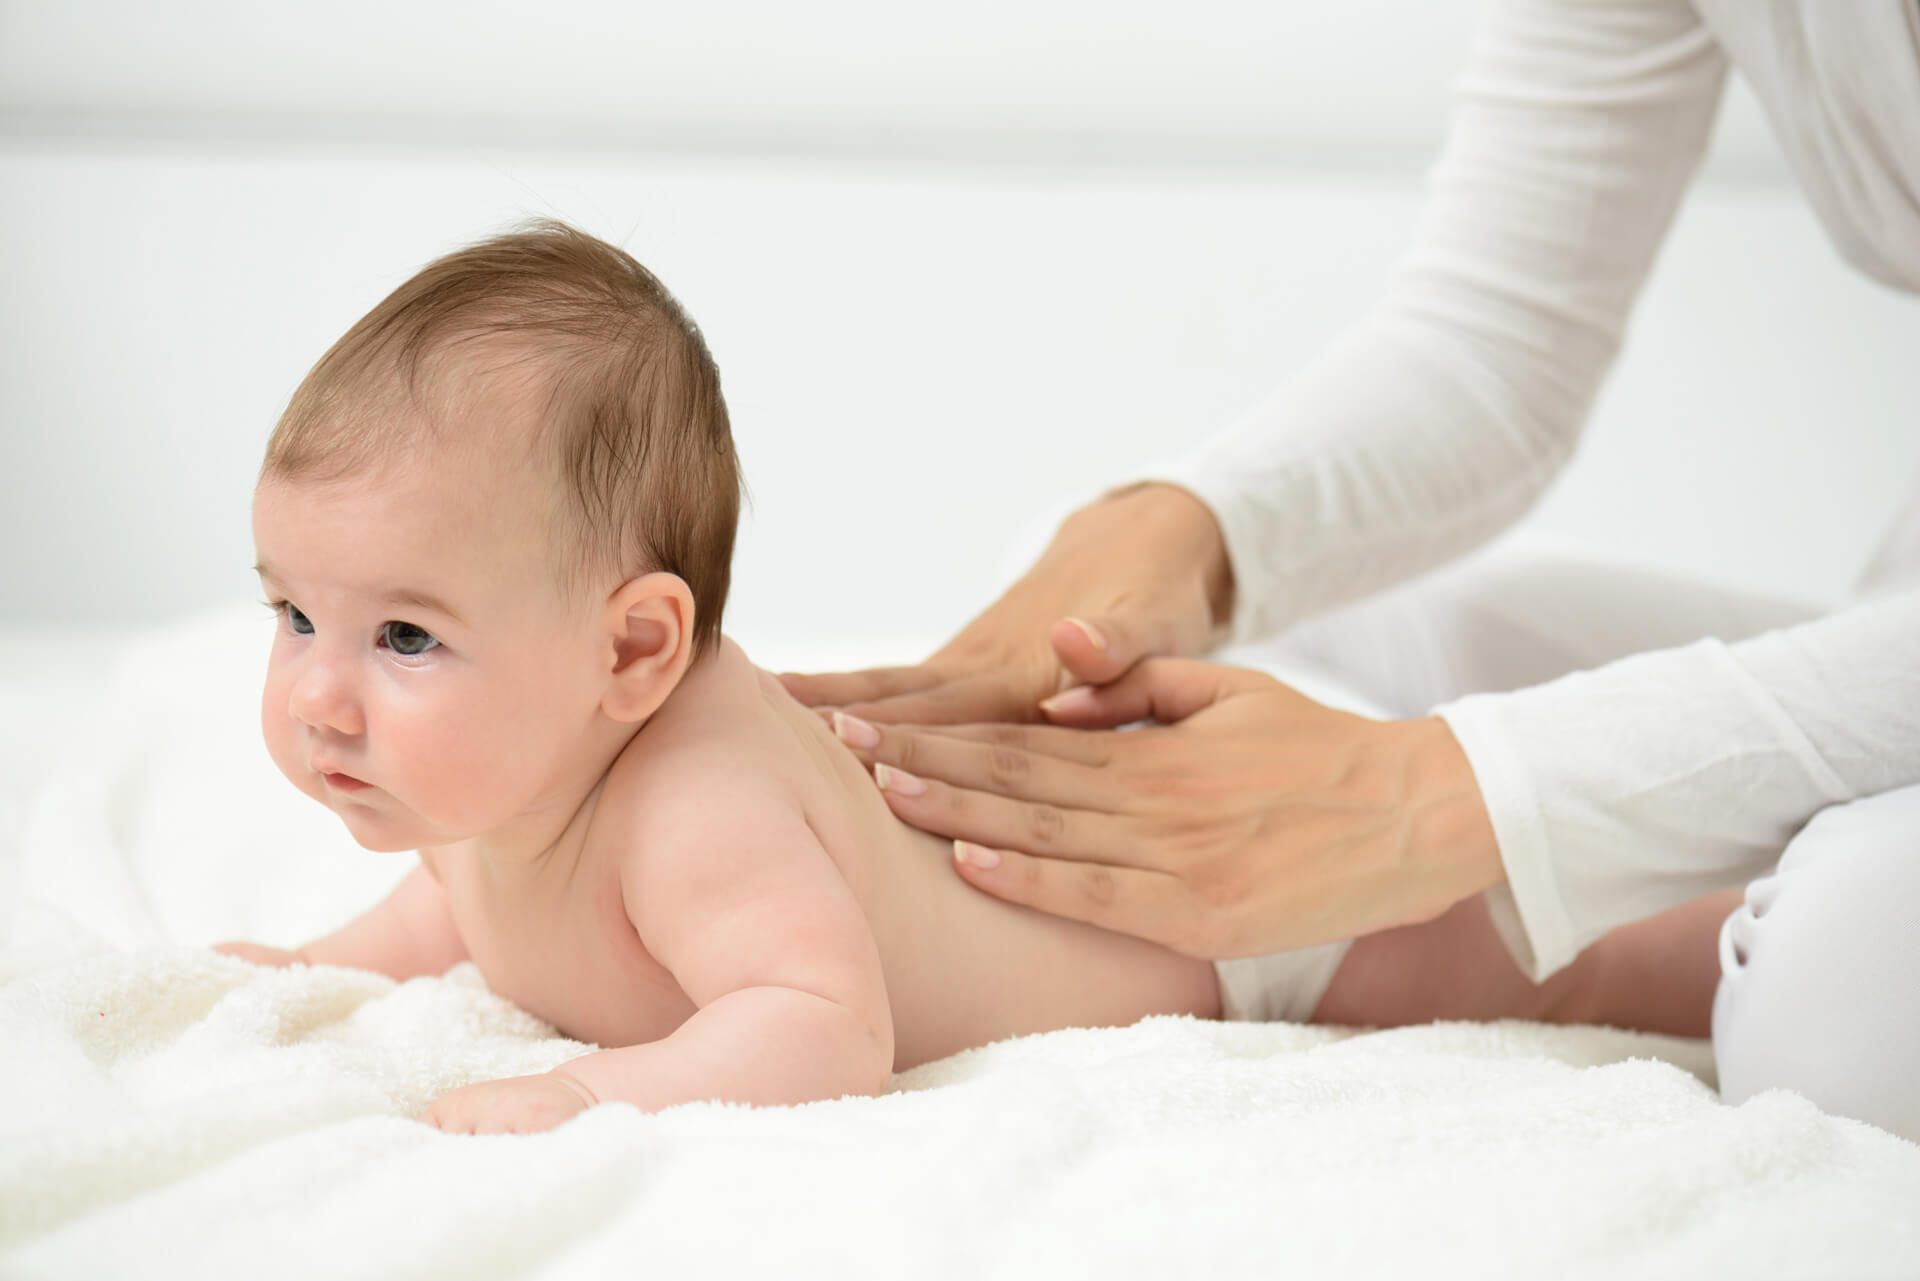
{"points": [[167, 1111]]}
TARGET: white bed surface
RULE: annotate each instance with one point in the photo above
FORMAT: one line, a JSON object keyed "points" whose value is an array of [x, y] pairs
{"points": [[192, 1116], [168, 1111]]}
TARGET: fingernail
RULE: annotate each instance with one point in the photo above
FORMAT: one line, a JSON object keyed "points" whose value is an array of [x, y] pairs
{"points": [[898, 780], [1091, 632], [855, 732], [1080, 698], [975, 855]]}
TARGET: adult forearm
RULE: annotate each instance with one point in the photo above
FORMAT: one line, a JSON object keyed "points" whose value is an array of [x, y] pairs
{"points": [[1444, 414], [1619, 792], [763, 1045]]}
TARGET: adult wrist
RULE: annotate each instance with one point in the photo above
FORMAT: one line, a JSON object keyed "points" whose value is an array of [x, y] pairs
{"points": [[1184, 528], [1451, 839]]}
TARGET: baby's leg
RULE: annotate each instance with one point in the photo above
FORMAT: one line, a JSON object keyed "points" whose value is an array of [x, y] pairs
{"points": [[1657, 975]]}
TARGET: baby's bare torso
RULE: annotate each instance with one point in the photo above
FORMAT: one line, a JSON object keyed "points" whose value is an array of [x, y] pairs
{"points": [[962, 969]]}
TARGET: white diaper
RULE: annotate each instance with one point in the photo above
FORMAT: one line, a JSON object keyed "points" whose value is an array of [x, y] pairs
{"points": [[1287, 986], [1283, 988]]}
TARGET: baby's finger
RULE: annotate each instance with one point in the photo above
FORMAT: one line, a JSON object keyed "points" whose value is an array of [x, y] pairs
{"points": [[259, 954], [1130, 900]]}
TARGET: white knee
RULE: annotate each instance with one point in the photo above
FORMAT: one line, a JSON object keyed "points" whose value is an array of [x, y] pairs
{"points": [[1820, 983]]}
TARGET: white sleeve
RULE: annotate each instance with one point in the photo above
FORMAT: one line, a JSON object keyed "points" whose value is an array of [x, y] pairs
{"points": [[1443, 416], [1626, 790]]}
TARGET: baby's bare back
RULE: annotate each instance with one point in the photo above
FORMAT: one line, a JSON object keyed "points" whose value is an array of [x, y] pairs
{"points": [[962, 968]]}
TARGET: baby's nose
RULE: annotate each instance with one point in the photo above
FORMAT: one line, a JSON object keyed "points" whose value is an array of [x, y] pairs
{"points": [[323, 699]]}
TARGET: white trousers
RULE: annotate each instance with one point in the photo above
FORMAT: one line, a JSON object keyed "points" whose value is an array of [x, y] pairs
{"points": [[1820, 987]]}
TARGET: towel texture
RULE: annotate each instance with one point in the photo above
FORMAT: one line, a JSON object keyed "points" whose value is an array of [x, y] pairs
{"points": [[176, 1112], [166, 1111]]}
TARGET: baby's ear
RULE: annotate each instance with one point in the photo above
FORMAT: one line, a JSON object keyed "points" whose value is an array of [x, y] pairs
{"points": [[649, 623]]}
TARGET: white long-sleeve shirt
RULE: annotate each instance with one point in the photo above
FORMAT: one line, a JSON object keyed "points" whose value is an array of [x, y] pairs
{"points": [[1442, 417]]}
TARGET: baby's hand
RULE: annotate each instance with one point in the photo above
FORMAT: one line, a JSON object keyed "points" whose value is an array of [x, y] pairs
{"points": [[261, 954], [517, 1105]]}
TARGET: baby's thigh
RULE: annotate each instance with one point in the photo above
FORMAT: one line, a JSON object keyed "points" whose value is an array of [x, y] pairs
{"points": [[1452, 967]]}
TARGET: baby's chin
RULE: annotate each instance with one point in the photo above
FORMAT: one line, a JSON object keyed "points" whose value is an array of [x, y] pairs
{"points": [[383, 843], [377, 822], [377, 832]]}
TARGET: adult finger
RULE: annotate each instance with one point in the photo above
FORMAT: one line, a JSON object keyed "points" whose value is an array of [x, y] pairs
{"points": [[834, 689], [1149, 904], [1167, 690], [997, 764], [1087, 747], [1101, 648], [966, 699], [1000, 822]]}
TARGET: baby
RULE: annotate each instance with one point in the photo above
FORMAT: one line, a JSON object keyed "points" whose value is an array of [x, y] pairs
{"points": [[496, 522]]}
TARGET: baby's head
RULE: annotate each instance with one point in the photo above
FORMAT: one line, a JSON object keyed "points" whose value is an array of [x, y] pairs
{"points": [[497, 519]]}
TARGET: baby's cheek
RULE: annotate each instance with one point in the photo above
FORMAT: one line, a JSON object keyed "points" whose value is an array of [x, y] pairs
{"points": [[464, 769], [281, 736], [476, 752]]}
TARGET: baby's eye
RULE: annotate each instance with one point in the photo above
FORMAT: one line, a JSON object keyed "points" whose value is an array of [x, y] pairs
{"points": [[406, 639], [299, 622]]}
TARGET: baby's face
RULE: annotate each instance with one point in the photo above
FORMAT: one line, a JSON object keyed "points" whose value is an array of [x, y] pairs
{"points": [[427, 682]]}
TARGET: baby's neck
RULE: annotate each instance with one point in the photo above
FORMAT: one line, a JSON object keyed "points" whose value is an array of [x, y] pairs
{"points": [[552, 835]]}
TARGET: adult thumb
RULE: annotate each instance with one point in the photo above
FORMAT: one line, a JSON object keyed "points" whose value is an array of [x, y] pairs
{"points": [[1100, 649], [1165, 690]]}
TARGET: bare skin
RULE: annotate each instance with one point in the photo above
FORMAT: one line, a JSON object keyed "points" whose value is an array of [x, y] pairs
{"points": [[961, 969], [665, 854], [1251, 820], [1143, 571], [563, 936], [659, 853]]}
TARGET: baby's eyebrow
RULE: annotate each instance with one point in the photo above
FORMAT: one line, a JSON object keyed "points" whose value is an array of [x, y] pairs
{"points": [[425, 600], [395, 596]]}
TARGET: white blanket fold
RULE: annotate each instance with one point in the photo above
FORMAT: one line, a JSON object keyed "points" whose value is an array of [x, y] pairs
{"points": [[167, 1111], [176, 1112]]}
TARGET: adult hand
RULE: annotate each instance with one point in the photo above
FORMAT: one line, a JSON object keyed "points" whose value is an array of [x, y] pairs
{"points": [[1142, 571], [1250, 820]]}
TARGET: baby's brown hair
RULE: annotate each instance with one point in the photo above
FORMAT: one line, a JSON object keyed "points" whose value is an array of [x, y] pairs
{"points": [[634, 431]]}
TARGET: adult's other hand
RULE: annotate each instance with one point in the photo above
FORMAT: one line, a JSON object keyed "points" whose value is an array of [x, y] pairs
{"points": [[1251, 819], [1143, 571]]}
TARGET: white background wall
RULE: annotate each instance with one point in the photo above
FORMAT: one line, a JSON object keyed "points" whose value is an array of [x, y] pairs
{"points": [[953, 263]]}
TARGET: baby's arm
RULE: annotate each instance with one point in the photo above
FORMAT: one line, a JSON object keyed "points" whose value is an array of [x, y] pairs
{"points": [[407, 934], [733, 893]]}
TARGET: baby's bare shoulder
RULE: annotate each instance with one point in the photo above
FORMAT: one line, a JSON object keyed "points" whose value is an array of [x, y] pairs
{"points": [[702, 829], [711, 761]]}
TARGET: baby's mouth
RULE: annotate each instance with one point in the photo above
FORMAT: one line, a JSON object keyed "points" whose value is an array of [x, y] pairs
{"points": [[344, 782]]}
